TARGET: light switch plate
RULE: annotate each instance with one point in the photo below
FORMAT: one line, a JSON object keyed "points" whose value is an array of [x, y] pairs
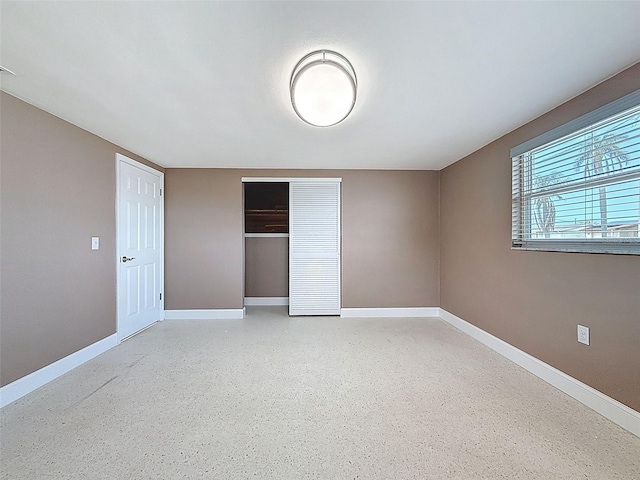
{"points": [[95, 243], [583, 334]]}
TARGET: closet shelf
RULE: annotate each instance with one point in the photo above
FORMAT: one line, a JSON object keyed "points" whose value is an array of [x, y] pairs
{"points": [[266, 221]]}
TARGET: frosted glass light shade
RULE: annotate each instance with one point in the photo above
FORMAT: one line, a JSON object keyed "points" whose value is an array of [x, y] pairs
{"points": [[323, 88]]}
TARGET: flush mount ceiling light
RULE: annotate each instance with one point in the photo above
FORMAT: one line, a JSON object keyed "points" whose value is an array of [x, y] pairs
{"points": [[323, 88]]}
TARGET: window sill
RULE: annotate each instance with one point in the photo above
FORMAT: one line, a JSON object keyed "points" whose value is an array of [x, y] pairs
{"points": [[612, 249]]}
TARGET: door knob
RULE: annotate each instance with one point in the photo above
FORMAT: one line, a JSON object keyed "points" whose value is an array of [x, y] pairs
{"points": [[125, 259]]}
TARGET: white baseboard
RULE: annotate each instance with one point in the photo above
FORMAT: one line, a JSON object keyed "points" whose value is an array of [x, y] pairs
{"points": [[390, 312], [606, 406], [265, 301], [27, 384], [211, 314]]}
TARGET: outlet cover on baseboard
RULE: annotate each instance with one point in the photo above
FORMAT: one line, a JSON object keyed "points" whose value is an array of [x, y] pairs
{"points": [[583, 334]]}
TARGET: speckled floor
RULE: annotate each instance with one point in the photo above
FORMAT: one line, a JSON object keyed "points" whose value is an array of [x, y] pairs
{"points": [[273, 397]]}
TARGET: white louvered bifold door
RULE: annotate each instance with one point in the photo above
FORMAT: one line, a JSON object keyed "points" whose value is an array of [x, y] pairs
{"points": [[314, 247]]}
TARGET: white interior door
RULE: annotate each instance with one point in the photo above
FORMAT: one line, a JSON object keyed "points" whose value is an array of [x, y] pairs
{"points": [[140, 246], [314, 247]]}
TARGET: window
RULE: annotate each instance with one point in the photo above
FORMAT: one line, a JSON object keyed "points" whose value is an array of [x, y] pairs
{"points": [[577, 187]]}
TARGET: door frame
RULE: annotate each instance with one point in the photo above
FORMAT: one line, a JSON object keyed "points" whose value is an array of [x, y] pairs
{"points": [[120, 159]]}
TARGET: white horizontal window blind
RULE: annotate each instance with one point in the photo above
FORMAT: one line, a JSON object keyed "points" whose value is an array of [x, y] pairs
{"points": [[577, 188]]}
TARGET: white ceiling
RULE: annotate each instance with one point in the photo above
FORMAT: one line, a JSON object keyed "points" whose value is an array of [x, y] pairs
{"points": [[205, 84]]}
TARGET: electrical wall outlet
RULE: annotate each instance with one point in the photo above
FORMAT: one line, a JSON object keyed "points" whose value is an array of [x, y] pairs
{"points": [[583, 334]]}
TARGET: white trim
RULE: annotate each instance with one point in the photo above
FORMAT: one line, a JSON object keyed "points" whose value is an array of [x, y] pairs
{"points": [[27, 384], [289, 179], [606, 406], [135, 163], [265, 301], [397, 312], [266, 235], [211, 314]]}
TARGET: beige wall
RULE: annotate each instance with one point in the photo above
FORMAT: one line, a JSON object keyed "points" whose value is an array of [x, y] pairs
{"points": [[203, 239], [57, 190], [390, 240], [534, 300], [266, 267]]}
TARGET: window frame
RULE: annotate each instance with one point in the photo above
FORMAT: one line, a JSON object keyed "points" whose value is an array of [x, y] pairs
{"points": [[523, 194]]}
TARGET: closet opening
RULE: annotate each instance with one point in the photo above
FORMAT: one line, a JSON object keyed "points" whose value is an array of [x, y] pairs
{"points": [[266, 243], [292, 244]]}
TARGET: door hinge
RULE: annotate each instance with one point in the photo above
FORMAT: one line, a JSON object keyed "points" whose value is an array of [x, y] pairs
{"points": [[160, 192], [160, 296]]}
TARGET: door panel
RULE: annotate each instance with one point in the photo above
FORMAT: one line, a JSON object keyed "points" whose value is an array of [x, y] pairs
{"points": [[140, 249], [314, 248]]}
